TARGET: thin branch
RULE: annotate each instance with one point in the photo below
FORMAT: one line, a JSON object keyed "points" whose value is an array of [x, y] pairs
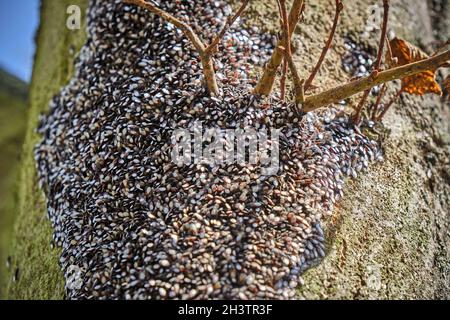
{"points": [[362, 84], [212, 48], [287, 40], [206, 59], [265, 84], [298, 82], [377, 64], [283, 80], [187, 30], [338, 10], [383, 35], [386, 108], [288, 60], [204, 51], [359, 108], [379, 98], [391, 62]]}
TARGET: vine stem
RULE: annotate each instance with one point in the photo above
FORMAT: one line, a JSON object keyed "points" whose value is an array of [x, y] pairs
{"points": [[376, 68], [377, 103], [266, 83], [338, 10], [386, 108], [287, 40], [359, 85]]}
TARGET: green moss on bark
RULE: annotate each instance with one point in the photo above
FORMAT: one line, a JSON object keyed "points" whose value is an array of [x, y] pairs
{"points": [[34, 261]]}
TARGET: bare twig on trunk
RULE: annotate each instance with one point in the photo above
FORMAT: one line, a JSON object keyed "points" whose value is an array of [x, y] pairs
{"points": [[283, 80], [377, 103], [205, 52], [390, 62], [298, 82], [386, 108], [347, 90], [338, 10], [287, 41], [265, 84]]}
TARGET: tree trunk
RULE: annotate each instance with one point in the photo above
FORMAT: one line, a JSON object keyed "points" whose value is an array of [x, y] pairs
{"points": [[389, 236]]}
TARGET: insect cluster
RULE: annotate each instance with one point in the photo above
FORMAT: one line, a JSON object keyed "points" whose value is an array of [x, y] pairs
{"points": [[137, 225]]}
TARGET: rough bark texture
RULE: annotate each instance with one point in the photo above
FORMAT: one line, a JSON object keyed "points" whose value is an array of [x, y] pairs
{"points": [[33, 259], [389, 238]]}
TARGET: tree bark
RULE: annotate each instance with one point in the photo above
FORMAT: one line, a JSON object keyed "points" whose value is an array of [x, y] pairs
{"points": [[389, 237]]}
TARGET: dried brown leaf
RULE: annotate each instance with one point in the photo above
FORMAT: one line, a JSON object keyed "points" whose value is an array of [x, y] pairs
{"points": [[404, 53]]}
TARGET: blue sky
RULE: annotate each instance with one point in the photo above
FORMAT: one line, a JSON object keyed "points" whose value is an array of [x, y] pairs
{"points": [[19, 20]]}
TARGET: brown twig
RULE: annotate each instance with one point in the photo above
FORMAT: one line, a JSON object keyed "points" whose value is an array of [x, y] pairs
{"points": [[386, 108], [283, 81], [377, 64], [204, 51], [298, 82], [359, 108], [362, 84], [287, 41], [377, 103], [391, 62], [383, 35], [265, 84], [187, 30], [442, 47], [338, 10]]}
